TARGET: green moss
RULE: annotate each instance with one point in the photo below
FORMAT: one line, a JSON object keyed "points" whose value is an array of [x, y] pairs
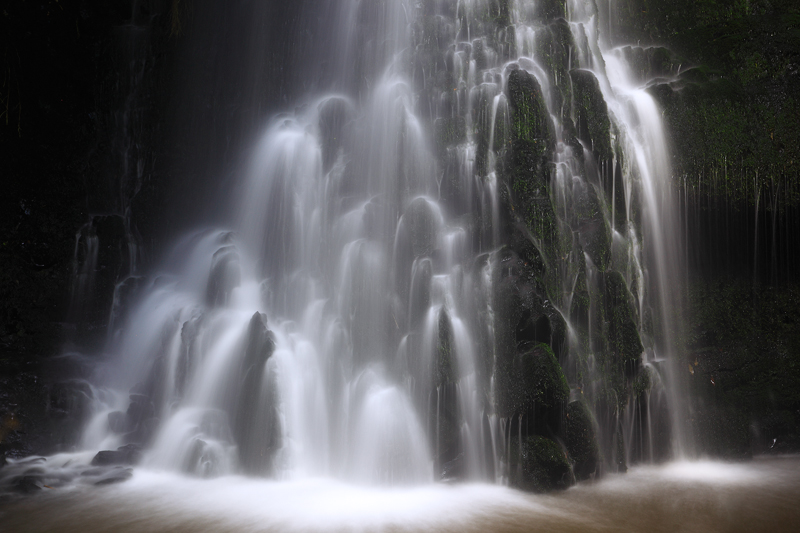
{"points": [[526, 168], [581, 439], [553, 45], [536, 382], [595, 232], [623, 335], [731, 144], [538, 465], [733, 118], [591, 114]]}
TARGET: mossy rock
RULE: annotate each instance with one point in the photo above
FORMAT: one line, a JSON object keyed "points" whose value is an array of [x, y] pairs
{"points": [[591, 111], [650, 62], [553, 45], [558, 330], [581, 440], [516, 291], [527, 168], [532, 137], [623, 335], [538, 464], [532, 12], [579, 307], [593, 229], [537, 385]]}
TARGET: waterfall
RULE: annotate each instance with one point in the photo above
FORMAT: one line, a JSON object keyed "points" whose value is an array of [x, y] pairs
{"points": [[477, 197]]}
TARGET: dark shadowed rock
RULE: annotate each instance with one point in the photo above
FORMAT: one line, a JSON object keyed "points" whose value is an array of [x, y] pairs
{"points": [[537, 381], [256, 426], [333, 116], [115, 475], [129, 454], [592, 122], [224, 277], [538, 465], [454, 469], [27, 484], [581, 440], [140, 408], [623, 334]]}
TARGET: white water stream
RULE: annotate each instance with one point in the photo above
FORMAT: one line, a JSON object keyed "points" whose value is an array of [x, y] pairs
{"points": [[306, 338]]}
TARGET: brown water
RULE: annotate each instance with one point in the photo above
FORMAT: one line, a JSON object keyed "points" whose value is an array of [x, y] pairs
{"points": [[761, 495]]}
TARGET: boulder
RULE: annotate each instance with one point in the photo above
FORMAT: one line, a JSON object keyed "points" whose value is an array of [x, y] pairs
{"points": [[538, 464], [129, 454], [115, 475], [593, 231], [225, 275], [534, 388], [581, 440], [624, 343], [27, 484], [592, 121], [256, 427], [140, 408]]}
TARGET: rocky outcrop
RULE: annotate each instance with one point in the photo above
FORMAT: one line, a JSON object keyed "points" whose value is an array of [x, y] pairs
{"points": [[538, 465]]}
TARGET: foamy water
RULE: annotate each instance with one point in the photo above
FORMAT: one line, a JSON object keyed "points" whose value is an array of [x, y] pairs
{"points": [[761, 495]]}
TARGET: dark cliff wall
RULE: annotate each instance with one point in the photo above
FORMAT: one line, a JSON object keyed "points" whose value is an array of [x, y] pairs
{"points": [[79, 103], [734, 120], [120, 123]]}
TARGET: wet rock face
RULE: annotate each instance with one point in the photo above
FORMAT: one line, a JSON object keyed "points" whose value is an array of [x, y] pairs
{"points": [[256, 426], [581, 440], [554, 44], [224, 277], [102, 259], [531, 227], [333, 118], [115, 475], [69, 407], [35, 474], [529, 379], [538, 464], [537, 391], [625, 345], [532, 140], [593, 231], [130, 454], [592, 122], [421, 225]]}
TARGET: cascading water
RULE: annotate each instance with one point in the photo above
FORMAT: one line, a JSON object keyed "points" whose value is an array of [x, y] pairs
{"points": [[488, 183]]}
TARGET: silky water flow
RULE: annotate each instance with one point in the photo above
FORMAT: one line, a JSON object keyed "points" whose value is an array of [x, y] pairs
{"points": [[343, 325]]}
